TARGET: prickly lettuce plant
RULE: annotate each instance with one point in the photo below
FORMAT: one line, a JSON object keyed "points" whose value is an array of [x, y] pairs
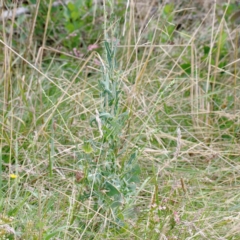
{"points": [[111, 170]]}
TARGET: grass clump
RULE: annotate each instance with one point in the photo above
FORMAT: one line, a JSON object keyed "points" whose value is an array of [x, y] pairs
{"points": [[119, 121]]}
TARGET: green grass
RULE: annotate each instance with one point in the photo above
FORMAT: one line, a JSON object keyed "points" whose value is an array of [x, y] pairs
{"points": [[137, 139]]}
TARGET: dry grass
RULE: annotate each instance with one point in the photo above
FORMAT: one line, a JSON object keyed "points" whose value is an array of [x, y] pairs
{"points": [[181, 93]]}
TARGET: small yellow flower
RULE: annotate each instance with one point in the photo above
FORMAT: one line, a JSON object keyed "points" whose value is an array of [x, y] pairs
{"points": [[13, 176]]}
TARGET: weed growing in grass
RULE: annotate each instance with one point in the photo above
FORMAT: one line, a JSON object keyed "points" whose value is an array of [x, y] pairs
{"points": [[111, 173]]}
